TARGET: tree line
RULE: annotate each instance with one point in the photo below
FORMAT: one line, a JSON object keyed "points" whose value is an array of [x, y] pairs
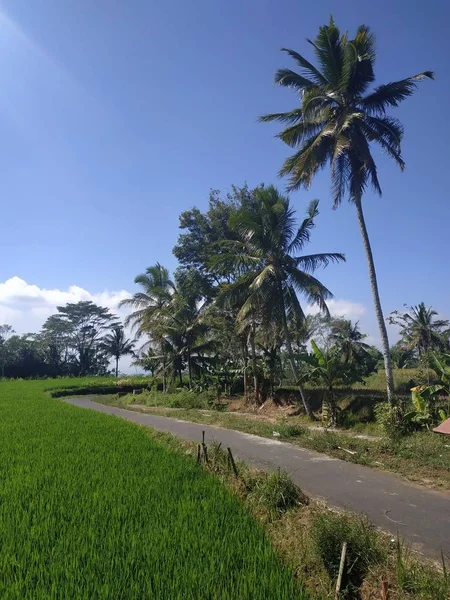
{"points": [[79, 339]]}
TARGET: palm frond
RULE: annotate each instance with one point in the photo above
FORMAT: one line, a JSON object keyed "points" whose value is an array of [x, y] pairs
{"points": [[311, 262], [363, 71], [312, 157], [313, 290], [289, 78], [340, 170], [328, 50], [309, 69], [303, 234], [292, 116], [391, 94], [295, 135]]}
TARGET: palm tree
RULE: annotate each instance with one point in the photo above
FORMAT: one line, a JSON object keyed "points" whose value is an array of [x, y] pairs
{"points": [[403, 357], [150, 306], [349, 340], [420, 329], [116, 345], [271, 272], [336, 124]]}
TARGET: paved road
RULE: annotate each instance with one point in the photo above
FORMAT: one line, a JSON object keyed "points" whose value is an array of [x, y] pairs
{"points": [[420, 516]]}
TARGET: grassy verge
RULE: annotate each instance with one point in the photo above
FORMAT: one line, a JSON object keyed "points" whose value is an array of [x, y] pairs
{"points": [[423, 457], [309, 536], [93, 507]]}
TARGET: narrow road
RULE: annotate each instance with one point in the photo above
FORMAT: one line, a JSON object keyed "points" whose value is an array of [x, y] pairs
{"points": [[419, 515]]}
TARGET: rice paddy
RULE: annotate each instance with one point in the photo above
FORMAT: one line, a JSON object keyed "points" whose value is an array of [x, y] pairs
{"points": [[91, 507]]}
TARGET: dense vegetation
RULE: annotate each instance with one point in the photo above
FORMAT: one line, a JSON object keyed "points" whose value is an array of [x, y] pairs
{"points": [[91, 507]]}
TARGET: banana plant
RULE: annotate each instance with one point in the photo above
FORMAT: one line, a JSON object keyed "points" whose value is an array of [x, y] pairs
{"points": [[328, 370], [423, 396]]}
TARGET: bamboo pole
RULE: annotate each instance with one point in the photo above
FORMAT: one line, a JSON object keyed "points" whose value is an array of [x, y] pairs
{"points": [[341, 571]]}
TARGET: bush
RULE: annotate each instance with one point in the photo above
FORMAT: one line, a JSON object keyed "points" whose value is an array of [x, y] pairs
{"points": [[274, 492], [91, 390], [364, 548], [183, 398], [392, 419]]}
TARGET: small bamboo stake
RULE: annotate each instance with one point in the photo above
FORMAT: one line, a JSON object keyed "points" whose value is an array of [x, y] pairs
{"points": [[232, 463], [205, 454], [384, 590], [341, 570], [204, 450]]}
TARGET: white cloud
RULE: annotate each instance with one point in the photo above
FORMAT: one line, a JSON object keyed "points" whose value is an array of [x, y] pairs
{"points": [[342, 308], [26, 306]]}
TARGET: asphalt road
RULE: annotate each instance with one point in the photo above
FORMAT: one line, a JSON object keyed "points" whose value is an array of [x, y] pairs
{"points": [[418, 515]]}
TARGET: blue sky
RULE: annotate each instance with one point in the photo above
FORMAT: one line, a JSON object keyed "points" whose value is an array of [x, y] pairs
{"points": [[116, 116]]}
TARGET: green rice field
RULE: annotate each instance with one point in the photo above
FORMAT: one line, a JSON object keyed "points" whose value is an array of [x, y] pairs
{"points": [[93, 508]]}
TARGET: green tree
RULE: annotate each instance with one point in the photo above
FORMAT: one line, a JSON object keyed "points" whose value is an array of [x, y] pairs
{"points": [[403, 357], [82, 325], [420, 330], [116, 345], [338, 121], [150, 308], [348, 339], [204, 232], [265, 255], [5, 332]]}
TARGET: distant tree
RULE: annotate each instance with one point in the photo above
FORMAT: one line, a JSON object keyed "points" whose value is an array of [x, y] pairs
{"points": [[348, 339], [403, 357], [150, 309], [6, 331], [337, 122], [26, 357], [419, 328], [116, 345], [82, 326]]}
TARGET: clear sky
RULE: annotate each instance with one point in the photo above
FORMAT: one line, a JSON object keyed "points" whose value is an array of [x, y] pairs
{"points": [[116, 116]]}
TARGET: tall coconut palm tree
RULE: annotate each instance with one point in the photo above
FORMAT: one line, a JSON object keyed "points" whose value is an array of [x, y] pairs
{"points": [[150, 306], [116, 345], [349, 340], [265, 255], [419, 328], [337, 122]]}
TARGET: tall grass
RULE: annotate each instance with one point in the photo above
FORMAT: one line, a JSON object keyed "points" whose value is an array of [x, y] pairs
{"points": [[91, 507]]}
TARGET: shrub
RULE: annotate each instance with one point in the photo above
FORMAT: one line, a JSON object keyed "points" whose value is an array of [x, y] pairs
{"points": [[392, 419], [274, 492], [364, 548], [183, 398]]}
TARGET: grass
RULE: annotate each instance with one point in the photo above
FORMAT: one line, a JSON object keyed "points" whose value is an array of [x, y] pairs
{"points": [[421, 457], [94, 507], [309, 536]]}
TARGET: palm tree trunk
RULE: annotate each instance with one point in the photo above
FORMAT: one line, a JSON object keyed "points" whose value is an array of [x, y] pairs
{"points": [[117, 367], [164, 367], [245, 356], [287, 339], [377, 303], [189, 367], [252, 346]]}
